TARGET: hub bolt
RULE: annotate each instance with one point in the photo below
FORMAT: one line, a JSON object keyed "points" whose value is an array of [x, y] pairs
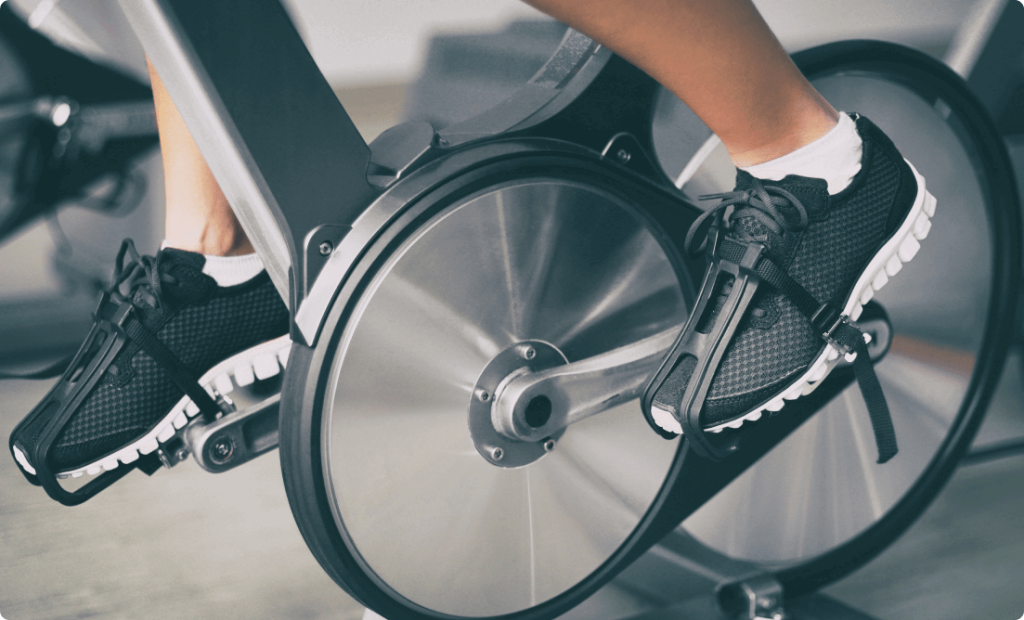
{"points": [[497, 454], [483, 395], [549, 444], [529, 353], [326, 248], [221, 450], [624, 156], [181, 454]]}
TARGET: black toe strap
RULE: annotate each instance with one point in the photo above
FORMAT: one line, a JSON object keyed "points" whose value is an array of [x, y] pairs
{"points": [[713, 323], [878, 409], [173, 366], [845, 336]]}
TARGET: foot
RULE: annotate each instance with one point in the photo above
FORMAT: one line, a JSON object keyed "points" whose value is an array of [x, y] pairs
{"points": [[839, 249], [125, 394]]}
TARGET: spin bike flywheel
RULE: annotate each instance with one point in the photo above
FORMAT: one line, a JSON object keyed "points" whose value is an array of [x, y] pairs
{"points": [[528, 265]]}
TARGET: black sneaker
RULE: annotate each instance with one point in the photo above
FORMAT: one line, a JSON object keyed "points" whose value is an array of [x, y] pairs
{"points": [[818, 259], [172, 346]]}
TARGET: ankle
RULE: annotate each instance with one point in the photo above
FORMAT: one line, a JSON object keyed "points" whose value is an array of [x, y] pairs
{"points": [[210, 242], [801, 134], [834, 157]]}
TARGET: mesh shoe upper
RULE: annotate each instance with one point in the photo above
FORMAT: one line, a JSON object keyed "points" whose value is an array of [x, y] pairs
{"points": [[775, 342], [200, 322]]}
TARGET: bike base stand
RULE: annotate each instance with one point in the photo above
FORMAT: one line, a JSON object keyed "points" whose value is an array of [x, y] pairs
{"points": [[684, 580]]}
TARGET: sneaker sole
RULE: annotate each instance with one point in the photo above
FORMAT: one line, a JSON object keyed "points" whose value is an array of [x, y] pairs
{"points": [[901, 248], [257, 363]]}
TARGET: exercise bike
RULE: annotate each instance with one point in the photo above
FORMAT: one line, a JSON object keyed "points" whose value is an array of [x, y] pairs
{"points": [[430, 271], [65, 122]]}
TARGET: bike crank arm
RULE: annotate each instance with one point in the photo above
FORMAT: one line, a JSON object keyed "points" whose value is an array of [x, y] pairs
{"points": [[530, 406], [233, 439]]}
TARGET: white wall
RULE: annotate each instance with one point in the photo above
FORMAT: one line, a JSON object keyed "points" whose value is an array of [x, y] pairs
{"points": [[360, 42], [367, 41], [363, 41]]}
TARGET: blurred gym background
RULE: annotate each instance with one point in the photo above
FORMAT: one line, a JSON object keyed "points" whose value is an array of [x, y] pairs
{"points": [[186, 544]]}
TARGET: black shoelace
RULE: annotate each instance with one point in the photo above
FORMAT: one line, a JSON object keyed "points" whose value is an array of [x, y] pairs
{"points": [[143, 275], [760, 202]]}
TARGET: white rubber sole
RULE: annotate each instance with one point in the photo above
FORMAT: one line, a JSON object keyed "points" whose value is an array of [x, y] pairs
{"points": [[900, 249], [260, 362]]}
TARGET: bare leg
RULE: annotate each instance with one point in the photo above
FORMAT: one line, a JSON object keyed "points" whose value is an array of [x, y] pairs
{"points": [[721, 59], [198, 216]]}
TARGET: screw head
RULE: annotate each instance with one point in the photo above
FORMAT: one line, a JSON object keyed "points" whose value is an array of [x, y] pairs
{"points": [[326, 247], [624, 156], [497, 454], [221, 450], [181, 454], [529, 353], [549, 444], [483, 395]]}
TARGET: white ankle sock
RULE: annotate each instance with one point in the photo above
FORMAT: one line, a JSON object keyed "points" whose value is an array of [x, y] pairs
{"points": [[834, 157], [232, 270], [229, 270]]}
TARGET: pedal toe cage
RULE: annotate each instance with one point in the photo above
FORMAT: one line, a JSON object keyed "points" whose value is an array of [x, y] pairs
{"points": [[116, 326], [712, 326], [704, 338]]}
